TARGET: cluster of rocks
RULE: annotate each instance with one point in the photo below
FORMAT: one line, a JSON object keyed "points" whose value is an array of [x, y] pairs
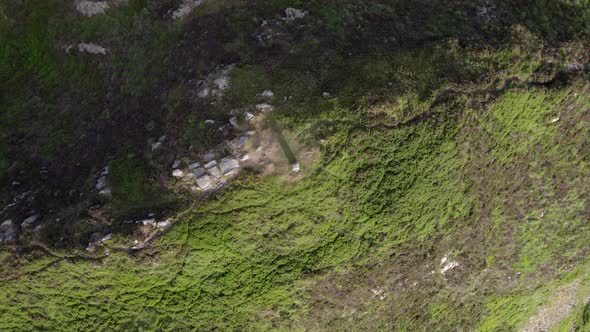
{"points": [[91, 8], [87, 48]]}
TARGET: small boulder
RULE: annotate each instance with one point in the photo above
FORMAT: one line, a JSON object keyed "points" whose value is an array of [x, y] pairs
{"points": [[292, 14], [29, 222], [177, 173]]}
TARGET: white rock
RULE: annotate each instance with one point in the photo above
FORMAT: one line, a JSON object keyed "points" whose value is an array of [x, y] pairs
{"points": [[106, 237], [264, 107], [326, 95], [90, 8], [248, 116], [177, 173], [267, 94], [163, 224], [295, 167], [210, 121], [205, 182], [447, 265], [555, 120], [105, 192], [148, 222], [91, 48], [293, 14]]}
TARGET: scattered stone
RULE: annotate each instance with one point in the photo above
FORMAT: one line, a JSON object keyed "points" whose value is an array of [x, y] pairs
{"points": [[91, 48], [91, 8], [216, 84], [248, 116], [6, 225], [105, 192], [233, 121], [176, 164], [555, 120], [326, 95], [28, 223], [205, 182], [209, 121], [194, 165], [177, 173], [293, 14], [245, 157]]}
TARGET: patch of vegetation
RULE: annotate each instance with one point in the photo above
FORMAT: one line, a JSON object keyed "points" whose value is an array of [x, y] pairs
{"points": [[134, 193]]}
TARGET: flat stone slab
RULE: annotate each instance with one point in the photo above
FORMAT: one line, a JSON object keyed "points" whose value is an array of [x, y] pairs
{"points": [[199, 171], [214, 171], [205, 182], [229, 164]]}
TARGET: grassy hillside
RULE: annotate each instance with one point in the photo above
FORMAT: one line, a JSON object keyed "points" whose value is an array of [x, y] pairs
{"points": [[455, 142]]}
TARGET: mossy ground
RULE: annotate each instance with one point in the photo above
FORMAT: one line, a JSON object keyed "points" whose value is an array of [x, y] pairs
{"points": [[426, 152]]}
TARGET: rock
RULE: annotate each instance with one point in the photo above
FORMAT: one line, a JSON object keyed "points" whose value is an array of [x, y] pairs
{"points": [[555, 120], [91, 8], [156, 146], [326, 95], [264, 107], [229, 164], [176, 164], [177, 173], [267, 94], [199, 172], [205, 182], [106, 192], [447, 265], [214, 171], [147, 222], [91, 48], [9, 236], [185, 8], [216, 84], [28, 223], [295, 167], [211, 164], [233, 121], [193, 166], [248, 116], [106, 237], [245, 157], [6, 225], [209, 121], [163, 224], [101, 183], [292, 14], [208, 157]]}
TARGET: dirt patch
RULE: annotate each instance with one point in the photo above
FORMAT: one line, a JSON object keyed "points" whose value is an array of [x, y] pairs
{"points": [[563, 303]]}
